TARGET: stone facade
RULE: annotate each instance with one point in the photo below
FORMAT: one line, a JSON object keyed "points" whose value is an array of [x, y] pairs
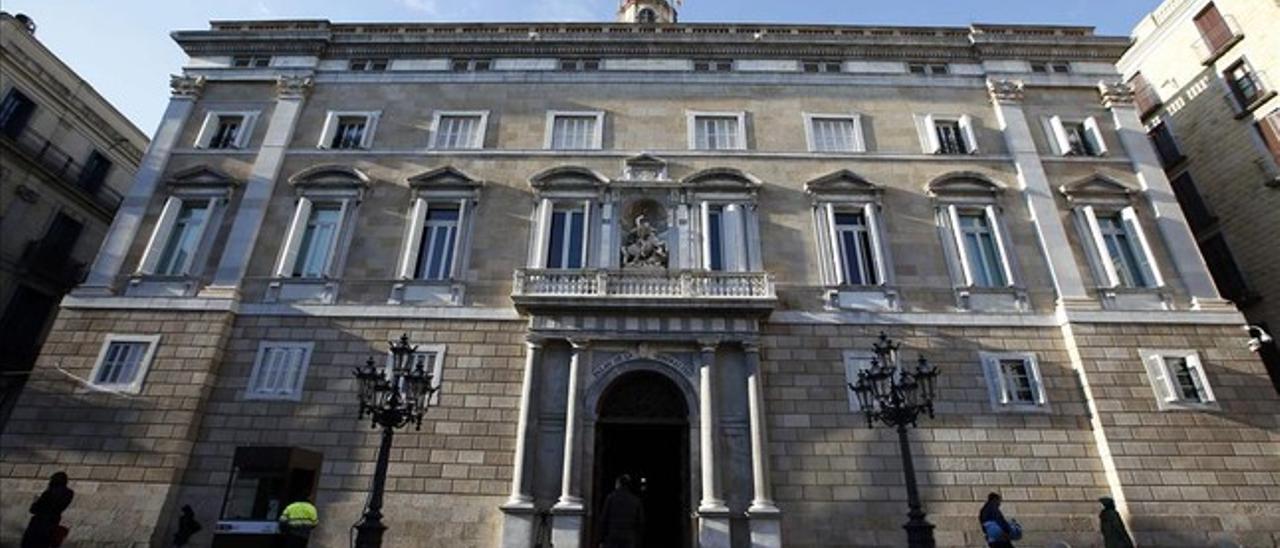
{"points": [[718, 369]]}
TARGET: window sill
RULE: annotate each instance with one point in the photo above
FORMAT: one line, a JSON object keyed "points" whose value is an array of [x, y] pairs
{"points": [[863, 298], [286, 398], [1134, 298], [150, 285], [1218, 53], [303, 291], [992, 299], [1182, 406], [1254, 105], [1021, 409], [427, 292]]}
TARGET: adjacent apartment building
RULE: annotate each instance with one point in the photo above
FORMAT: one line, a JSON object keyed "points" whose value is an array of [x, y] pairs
{"points": [[66, 158], [653, 248], [1206, 76]]}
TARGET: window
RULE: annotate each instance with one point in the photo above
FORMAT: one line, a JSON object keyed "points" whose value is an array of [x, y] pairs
{"points": [[647, 15], [59, 240], [575, 130], [95, 171], [431, 358], [1178, 378], [349, 130], [834, 133], [714, 235], [854, 242], [1056, 68], [1269, 128], [948, 135], [1245, 87], [1198, 214], [1013, 381], [566, 246], [250, 61], [459, 130], [579, 65], [928, 68], [123, 362], [855, 361], [315, 239], [183, 240], [368, 65], [15, 112], [279, 371], [712, 65], [717, 131], [226, 130], [1226, 274], [727, 244], [812, 65], [976, 245], [472, 65], [1166, 146], [1144, 95], [1214, 30], [1124, 257], [439, 242], [436, 237], [1076, 138]]}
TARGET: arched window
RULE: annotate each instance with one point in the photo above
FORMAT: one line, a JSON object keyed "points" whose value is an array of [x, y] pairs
{"points": [[647, 15]]}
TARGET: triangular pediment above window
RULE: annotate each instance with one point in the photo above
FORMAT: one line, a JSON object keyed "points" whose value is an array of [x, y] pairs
{"points": [[644, 167], [841, 182], [1097, 187], [200, 176], [444, 178], [726, 178], [568, 177], [964, 184], [330, 176]]}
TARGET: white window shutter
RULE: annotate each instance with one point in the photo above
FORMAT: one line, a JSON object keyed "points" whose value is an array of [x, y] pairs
{"points": [[459, 238], [206, 130], [931, 142], [203, 226], [1060, 135], [542, 232], [370, 126], [413, 239], [1002, 245], [335, 245], [859, 141], [246, 130], [330, 126], [1094, 134], [1107, 268], [1200, 378], [586, 233], [837, 259], [160, 235], [953, 218], [871, 212], [1145, 256], [970, 142], [706, 235], [1037, 382], [289, 253], [1001, 382], [1165, 390]]}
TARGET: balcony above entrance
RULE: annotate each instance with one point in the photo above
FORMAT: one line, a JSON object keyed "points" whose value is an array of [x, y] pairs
{"points": [[536, 289]]}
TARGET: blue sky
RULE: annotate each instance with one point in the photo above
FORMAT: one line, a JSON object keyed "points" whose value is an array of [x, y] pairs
{"points": [[122, 47]]}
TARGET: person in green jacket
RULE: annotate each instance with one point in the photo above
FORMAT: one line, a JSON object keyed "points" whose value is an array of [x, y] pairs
{"points": [[1114, 533], [296, 522]]}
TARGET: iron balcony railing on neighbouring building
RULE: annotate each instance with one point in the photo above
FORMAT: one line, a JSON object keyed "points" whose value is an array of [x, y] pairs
{"points": [[63, 168]]}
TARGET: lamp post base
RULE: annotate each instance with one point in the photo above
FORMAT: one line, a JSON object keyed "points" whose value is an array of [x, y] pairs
{"points": [[919, 532], [369, 532]]}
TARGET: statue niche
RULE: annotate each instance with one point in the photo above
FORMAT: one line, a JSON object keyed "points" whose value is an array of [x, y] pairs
{"points": [[645, 245]]}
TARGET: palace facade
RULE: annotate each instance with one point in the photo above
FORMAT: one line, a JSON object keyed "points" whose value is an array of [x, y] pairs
{"points": [[660, 249]]}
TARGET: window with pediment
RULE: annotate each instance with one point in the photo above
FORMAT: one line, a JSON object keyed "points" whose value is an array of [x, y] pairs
{"points": [[438, 229], [1111, 233], [563, 232], [852, 246], [320, 229], [183, 235], [728, 236]]}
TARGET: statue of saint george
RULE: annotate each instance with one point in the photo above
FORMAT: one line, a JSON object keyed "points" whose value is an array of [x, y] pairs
{"points": [[643, 248]]}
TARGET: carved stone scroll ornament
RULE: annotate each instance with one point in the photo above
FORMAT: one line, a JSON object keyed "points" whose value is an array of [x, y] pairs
{"points": [[293, 87], [1006, 91], [1115, 93], [643, 248], [182, 85]]}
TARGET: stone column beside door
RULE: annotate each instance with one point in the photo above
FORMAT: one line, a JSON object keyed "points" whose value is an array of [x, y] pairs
{"points": [[568, 512], [766, 519], [713, 514]]}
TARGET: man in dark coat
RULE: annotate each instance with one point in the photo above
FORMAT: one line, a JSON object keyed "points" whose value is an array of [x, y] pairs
{"points": [[623, 518], [1114, 533], [991, 513], [187, 526], [46, 513]]}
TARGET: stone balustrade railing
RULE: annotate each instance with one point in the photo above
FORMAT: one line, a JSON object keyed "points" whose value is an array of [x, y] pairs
{"points": [[641, 284]]}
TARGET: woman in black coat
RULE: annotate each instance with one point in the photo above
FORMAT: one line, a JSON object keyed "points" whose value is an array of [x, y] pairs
{"points": [[46, 513]]}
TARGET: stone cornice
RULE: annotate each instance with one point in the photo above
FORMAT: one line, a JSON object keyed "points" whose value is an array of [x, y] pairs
{"points": [[1115, 94], [1006, 91]]}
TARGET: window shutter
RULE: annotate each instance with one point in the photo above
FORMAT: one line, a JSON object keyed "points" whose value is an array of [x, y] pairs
{"points": [[970, 142], [246, 130], [586, 233], [1200, 378], [1002, 244], [871, 212], [1145, 256], [1165, 390], [706, 234], [931, 143], [330, 126], [413, 239], [289, 253], [1060, 135], [837, 260], [1094, 134], [370, 125], [951, 217], [1037, 383], [1213, 28], [335, 244], [1002, 382], [859, 142], [160, 235], [459, 237], [1107, 270], [200, 229], [1270, 128], [206, 130]]}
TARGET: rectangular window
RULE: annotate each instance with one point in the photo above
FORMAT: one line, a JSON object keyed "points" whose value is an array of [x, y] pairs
{"points": [[856, 248], [226, 130], [1013, 381], [349, 133], [184, 238], [459, 131], [1122, 251], [1226, 274], [60, 239], [1166, 146], [835, 134], [1244, 84], [472, 65], [279, 371], [250, 61], [717, 133], [815, 66], [713, 65], [950, 137], [1144, 95], [1213, 29], [981, 250], [1179, 379], [1078, 141], [579, 65], [567, 242], [575, 131], [15, 112], [715, 238], [1269, 128], [1076, 137], [439, 239], [430, 357], [1198, 214], [318, 240], [368, 65], [928, 68], [227, 134], [95, 171], [123, 362]]}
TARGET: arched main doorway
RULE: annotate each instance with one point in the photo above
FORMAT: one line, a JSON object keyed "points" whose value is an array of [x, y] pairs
{"points": [[642, 430]]}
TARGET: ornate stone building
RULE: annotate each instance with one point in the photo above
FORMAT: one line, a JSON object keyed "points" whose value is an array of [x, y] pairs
{"points": [[66, 158], [1206, 74], [660, 249]]}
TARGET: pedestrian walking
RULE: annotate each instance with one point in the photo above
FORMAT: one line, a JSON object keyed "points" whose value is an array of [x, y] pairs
{"points": [[45, 529], [623, 518], [999, 532], [296, 522], [1114, 533], [187, 526]]}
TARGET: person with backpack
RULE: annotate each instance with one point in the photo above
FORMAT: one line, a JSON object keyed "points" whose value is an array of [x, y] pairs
{"points": [[999, 532]]}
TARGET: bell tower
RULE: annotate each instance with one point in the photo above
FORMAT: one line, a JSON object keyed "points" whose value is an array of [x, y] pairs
{"points": [[647, 11]]}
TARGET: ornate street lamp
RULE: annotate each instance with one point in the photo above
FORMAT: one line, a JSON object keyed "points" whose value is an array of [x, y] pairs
{"points": [[392, 399], [896, 396]]}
